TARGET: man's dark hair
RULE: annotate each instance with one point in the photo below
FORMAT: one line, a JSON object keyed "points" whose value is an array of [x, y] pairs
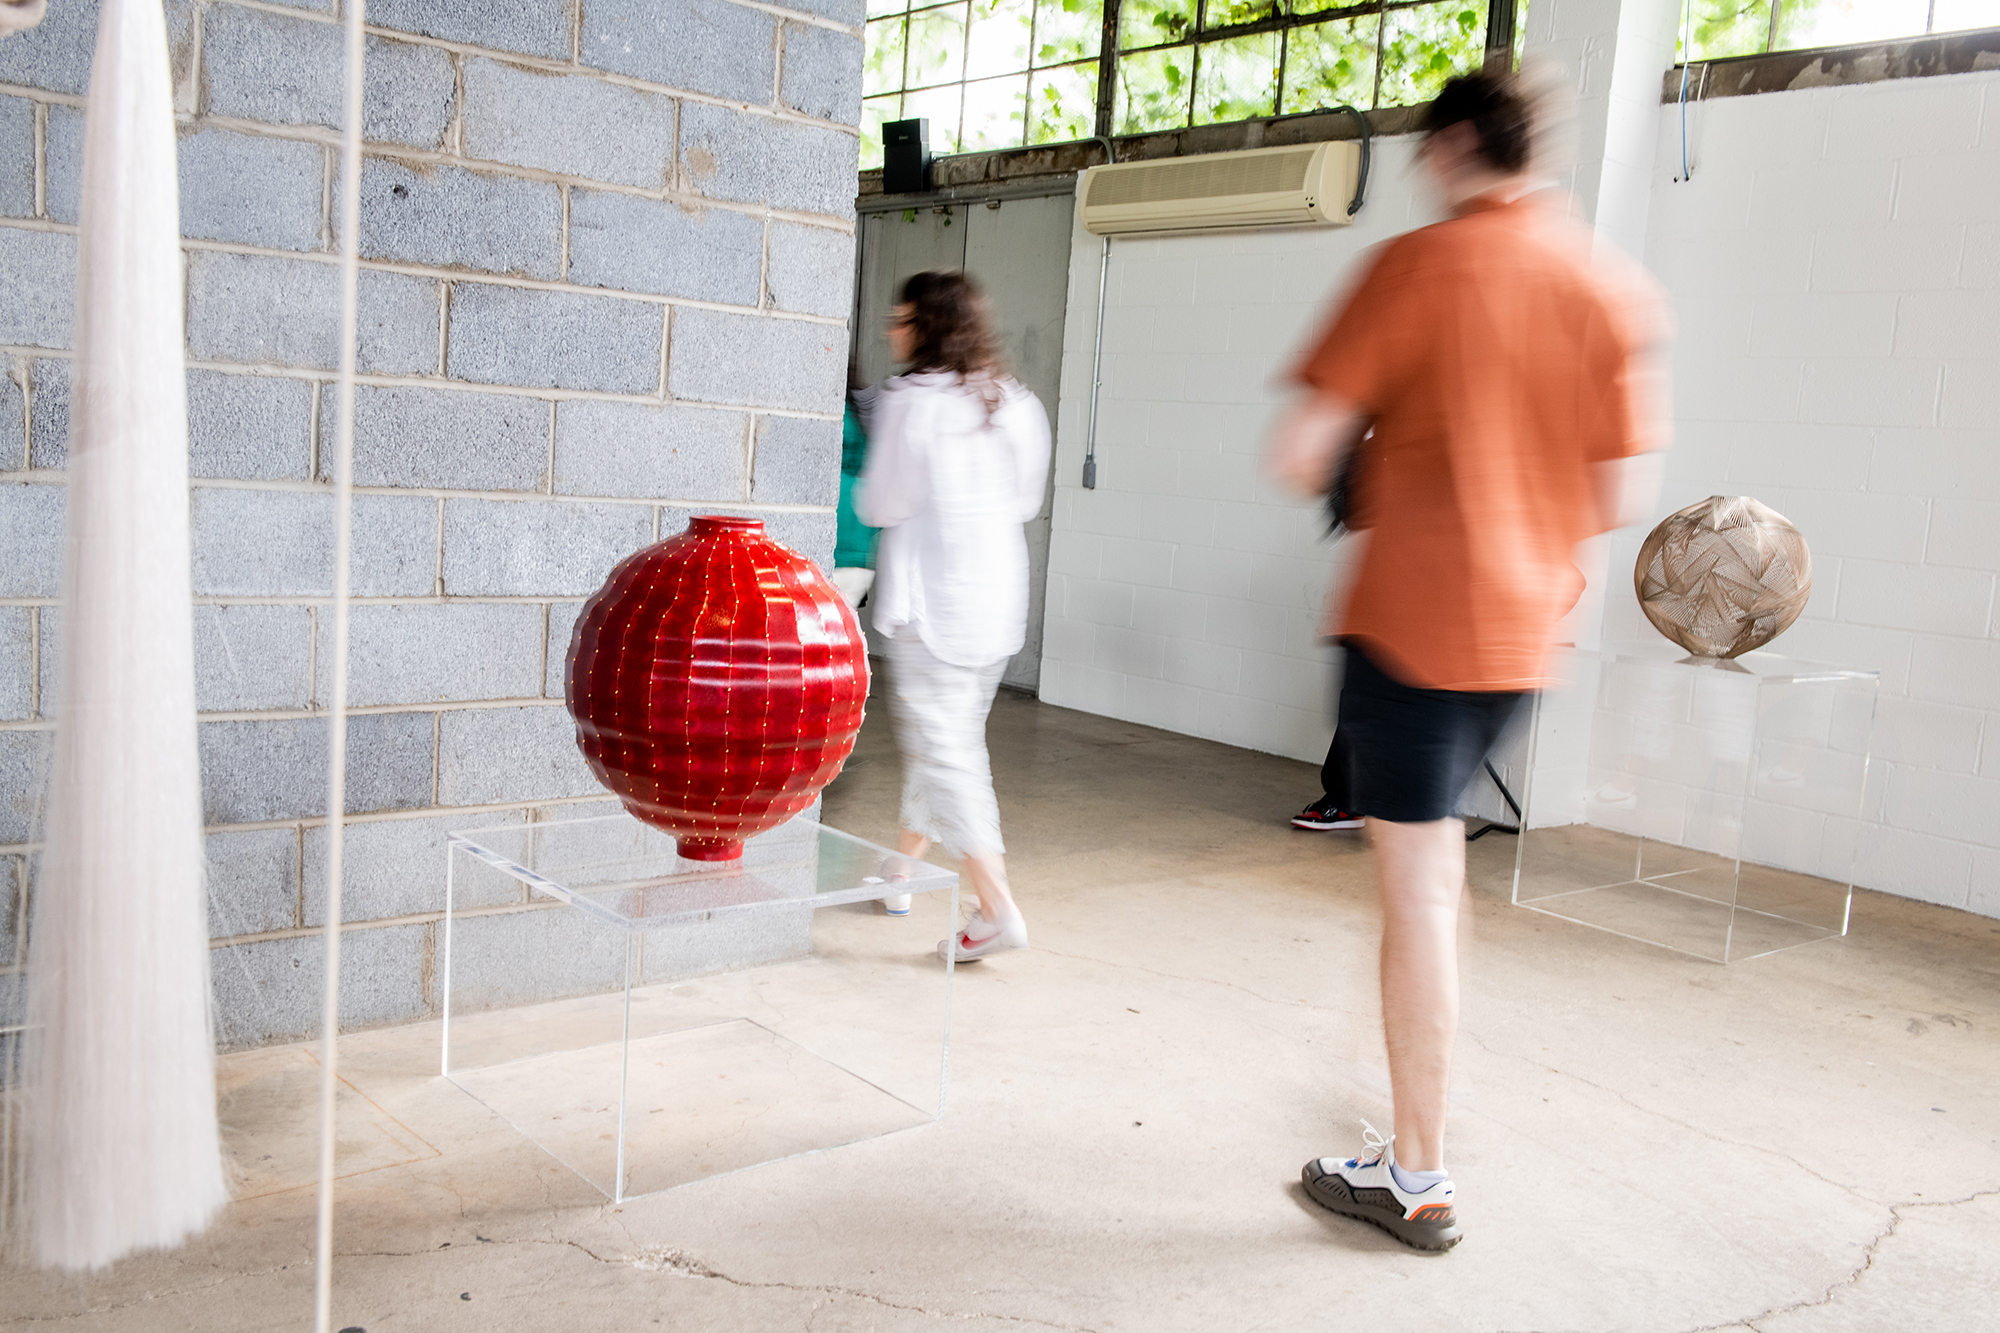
{"points": [[1497, 109]]}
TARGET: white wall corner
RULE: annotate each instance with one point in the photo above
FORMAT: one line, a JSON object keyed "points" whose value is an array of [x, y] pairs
{"points": [[1611, 55]]}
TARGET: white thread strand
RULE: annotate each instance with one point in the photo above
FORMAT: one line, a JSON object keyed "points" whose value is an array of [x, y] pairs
{"points": [[336, 749]]}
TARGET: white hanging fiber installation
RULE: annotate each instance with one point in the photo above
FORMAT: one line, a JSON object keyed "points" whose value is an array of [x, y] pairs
{"points": [[121, 1151], [336, 750]]}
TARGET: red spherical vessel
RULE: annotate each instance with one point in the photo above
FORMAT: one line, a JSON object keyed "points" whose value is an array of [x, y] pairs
{"points": [[717, 682]]}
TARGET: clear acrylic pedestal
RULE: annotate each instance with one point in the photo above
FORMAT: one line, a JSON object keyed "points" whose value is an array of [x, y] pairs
{"points": [[1707, 807], [664, 1020]]}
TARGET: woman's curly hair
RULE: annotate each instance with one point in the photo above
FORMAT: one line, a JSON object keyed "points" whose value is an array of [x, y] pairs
{"points": [[953, 330]]}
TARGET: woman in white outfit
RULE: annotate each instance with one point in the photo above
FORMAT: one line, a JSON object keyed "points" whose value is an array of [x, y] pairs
{"points": [[958, 457]]}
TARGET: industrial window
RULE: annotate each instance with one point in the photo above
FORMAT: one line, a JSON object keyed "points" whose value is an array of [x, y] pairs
{"points": [[1006, 73], [1717, 28], [985, 73], [1202, 62]]}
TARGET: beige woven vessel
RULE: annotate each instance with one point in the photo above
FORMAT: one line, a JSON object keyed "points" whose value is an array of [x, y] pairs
{"points": [[1723, 576]]}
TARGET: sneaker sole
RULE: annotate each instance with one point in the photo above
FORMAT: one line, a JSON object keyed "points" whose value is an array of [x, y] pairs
{"points": [[1331, 1193], [1317, 827], [965, 957]]}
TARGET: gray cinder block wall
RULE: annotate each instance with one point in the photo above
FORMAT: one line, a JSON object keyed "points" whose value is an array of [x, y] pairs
{"points": [[607, 250]]}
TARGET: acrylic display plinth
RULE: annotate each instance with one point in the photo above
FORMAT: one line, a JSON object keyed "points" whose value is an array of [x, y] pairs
{"points": [[1707, 807], [715, 1015]]}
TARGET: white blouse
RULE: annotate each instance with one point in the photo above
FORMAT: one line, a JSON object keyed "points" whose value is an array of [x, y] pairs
{"points": [[950, 488]]}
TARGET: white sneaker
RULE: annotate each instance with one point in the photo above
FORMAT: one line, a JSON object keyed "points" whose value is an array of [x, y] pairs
{"points": [[1365, 1187], [981, 937], [897, 904]]}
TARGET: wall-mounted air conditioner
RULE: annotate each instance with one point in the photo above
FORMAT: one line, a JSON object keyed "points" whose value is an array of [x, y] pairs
{"points": [[1306, 185]]}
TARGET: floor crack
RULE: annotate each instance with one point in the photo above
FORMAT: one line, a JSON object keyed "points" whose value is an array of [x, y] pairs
{"points": [[680, 1263], [1896, 1215], [1643, 1109]]}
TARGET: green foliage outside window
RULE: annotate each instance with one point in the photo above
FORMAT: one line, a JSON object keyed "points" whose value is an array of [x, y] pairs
{"points": [[1729, 27], [1331, 64], [1152, 22], [935, 47], [1068, 31], [1001, 73], [1236, 79], [1153, 90], [1319, 55], [1062, 103], [1424, 46]]}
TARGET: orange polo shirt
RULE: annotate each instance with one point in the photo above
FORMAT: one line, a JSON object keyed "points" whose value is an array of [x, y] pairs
{"points": [[1497, 361]]}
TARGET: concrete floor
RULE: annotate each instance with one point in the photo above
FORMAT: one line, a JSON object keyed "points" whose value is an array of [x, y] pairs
{"points": [[1641, 1141]]}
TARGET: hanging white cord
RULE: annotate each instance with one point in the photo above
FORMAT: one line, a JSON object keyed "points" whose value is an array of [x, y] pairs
{"points": [[336, 748], [1687, 57]]}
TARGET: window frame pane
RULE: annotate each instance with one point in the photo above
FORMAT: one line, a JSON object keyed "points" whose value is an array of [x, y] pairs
{"points": [[888, 108], [1422, 82], [948, 70], [1166, 13], [1857, 30], [1181, 57], [933, 104], [1952, 15], [989, 94], [899, 23], [984, 33], [1367, 37], [1089, 16], [1228, 71], [1084, 71], [1219, 14], [1723, 28]]}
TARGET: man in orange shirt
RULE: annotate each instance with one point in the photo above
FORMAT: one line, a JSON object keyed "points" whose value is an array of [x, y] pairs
{"points": [[1510, 382]]}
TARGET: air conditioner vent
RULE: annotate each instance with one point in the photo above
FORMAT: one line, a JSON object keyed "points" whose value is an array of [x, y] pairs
{"points": [[1205, 177], [1263, 187]]}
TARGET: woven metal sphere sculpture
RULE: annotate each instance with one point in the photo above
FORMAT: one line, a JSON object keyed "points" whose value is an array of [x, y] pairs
{"points": [[1723, 576]]}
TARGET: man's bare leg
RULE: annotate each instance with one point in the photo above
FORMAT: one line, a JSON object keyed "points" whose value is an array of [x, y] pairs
{"points": [[1420, 871]]}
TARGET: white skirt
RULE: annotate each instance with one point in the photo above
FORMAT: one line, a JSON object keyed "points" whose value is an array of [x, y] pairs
{"points": [[940, 714]]}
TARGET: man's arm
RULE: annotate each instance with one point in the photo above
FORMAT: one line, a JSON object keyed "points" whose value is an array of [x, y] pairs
{"points": [[1629, 460], [1308, 442]]}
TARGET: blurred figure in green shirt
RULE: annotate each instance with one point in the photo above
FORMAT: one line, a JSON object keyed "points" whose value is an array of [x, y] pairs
{"points": [[854, 541]]}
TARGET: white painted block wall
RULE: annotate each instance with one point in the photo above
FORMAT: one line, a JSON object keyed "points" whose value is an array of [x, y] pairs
{"points": [[1835, 267]]}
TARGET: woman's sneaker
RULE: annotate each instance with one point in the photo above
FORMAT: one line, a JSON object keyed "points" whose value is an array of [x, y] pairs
{"points": [[1323, 814], [981, 937], [1366, 1187], [896, 904]]}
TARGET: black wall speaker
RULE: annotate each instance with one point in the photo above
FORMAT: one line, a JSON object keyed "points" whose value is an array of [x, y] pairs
{"points": [[906, 156]]}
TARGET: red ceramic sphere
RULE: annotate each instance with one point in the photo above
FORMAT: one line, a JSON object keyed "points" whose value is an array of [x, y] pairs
{"points": [[717, 680]]}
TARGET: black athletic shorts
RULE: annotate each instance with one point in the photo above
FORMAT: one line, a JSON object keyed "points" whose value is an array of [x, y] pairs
{"points": [[1407, 754]]}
